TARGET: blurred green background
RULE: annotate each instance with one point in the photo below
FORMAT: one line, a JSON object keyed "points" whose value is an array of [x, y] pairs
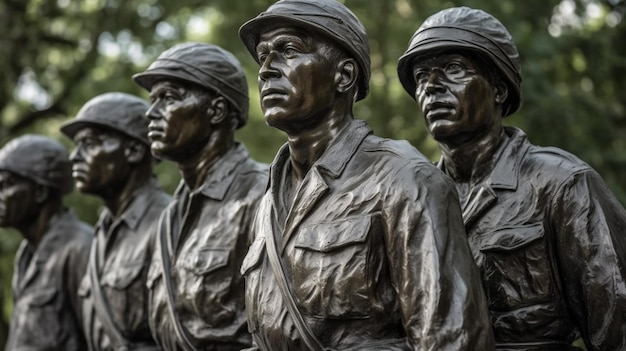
{"points": [[57, 54]]}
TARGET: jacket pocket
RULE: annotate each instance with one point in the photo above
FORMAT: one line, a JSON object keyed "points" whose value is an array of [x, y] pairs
{"points": [[253, 256], [511, 238], [206, 288], [84, 289], [252, 261], [154, 273], [125, 289], [516, 267], [41, 297], [332, 278], [329, 236], [39, 319], [206, 260], [121, 277]]}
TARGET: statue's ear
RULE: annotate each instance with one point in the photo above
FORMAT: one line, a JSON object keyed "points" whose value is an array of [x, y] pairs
{"points": [[501, 92], [346, 75], [135, 151], [41, 193], [217, 110]]}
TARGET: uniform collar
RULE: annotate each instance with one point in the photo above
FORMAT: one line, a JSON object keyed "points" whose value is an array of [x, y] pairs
{"points": [[220, 175], [53, 238], [135, 210], [343, 147], [340, 151], [506, 160]]}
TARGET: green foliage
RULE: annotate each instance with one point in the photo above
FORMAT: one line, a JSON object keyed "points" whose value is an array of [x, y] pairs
{"points": [[57, 54]]}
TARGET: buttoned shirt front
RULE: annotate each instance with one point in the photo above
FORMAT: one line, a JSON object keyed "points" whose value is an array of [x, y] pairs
{"points": [[123, 248], [46, 310], [548, 237], [207, 232], [374, 249]]}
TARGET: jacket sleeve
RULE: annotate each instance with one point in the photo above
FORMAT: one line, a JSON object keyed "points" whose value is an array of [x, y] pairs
{"points": [[441, 297], [589, 225]]}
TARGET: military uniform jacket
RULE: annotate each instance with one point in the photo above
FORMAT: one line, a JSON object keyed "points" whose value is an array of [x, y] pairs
{"points": [[123, 247], [548, 237], [375, 250], [207, 233], [45, 284]]}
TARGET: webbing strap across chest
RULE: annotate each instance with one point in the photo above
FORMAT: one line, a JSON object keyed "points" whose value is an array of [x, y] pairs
{"points": [[180, 331], [279, 272], [102, 306]]}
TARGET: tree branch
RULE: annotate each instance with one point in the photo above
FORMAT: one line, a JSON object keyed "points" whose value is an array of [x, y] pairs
{"points": [[33, 116], [74, 77]]}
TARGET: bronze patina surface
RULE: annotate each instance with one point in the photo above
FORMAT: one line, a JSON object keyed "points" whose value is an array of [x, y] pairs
{"points": [[359, 241], [545, 230], [199, 99], [35, 175], [112, 160]]}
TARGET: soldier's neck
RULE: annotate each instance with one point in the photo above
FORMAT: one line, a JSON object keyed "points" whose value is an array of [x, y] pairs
{"points": [[307, 145], [471, 160], [119, 200], [196, 168], [35, 230]]}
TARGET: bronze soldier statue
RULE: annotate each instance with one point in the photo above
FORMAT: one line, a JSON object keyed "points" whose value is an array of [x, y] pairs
{"points": [[112, 160], [546, 232], [359, 241], [35, 175], [199, 98]]}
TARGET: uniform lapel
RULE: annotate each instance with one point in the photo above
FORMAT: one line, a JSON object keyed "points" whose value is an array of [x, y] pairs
{"points": [[329, 167], [48, 245], [23, 258], [218, 181], [504, 176], [312, 189], [481, 199]]}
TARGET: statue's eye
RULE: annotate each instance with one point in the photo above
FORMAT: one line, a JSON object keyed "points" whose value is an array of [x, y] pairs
{"points": [[290, 51], [421, 75], [454, 68]]}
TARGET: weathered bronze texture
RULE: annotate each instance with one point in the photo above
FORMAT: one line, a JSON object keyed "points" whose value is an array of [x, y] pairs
{"points": [[35, 174], [545, 230], [112, 160], [359, 241], [199, 98]]}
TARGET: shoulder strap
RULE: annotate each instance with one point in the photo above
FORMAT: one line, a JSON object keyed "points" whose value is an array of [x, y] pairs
{"points": [[181, 333], [279, 272], [101, 304]]}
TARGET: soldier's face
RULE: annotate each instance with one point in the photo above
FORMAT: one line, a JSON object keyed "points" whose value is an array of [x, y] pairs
{"points": [[296, 78], [456, 100], [180, 125], [18, 203], [99, 162]]}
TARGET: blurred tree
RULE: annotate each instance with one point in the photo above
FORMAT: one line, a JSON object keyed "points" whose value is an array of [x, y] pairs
{"points": [[56, 54]]}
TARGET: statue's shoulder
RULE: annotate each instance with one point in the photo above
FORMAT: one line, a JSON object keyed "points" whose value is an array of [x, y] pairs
{"points": [[554, 161], [404, 164], [391, 149]]}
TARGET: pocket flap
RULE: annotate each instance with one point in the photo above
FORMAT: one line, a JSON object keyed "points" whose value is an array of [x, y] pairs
{"points": [[85, 286], [254, 255], [121, 277], [41, 297], [328, 236], [206, 260], [510, 238], [154, 272]]}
